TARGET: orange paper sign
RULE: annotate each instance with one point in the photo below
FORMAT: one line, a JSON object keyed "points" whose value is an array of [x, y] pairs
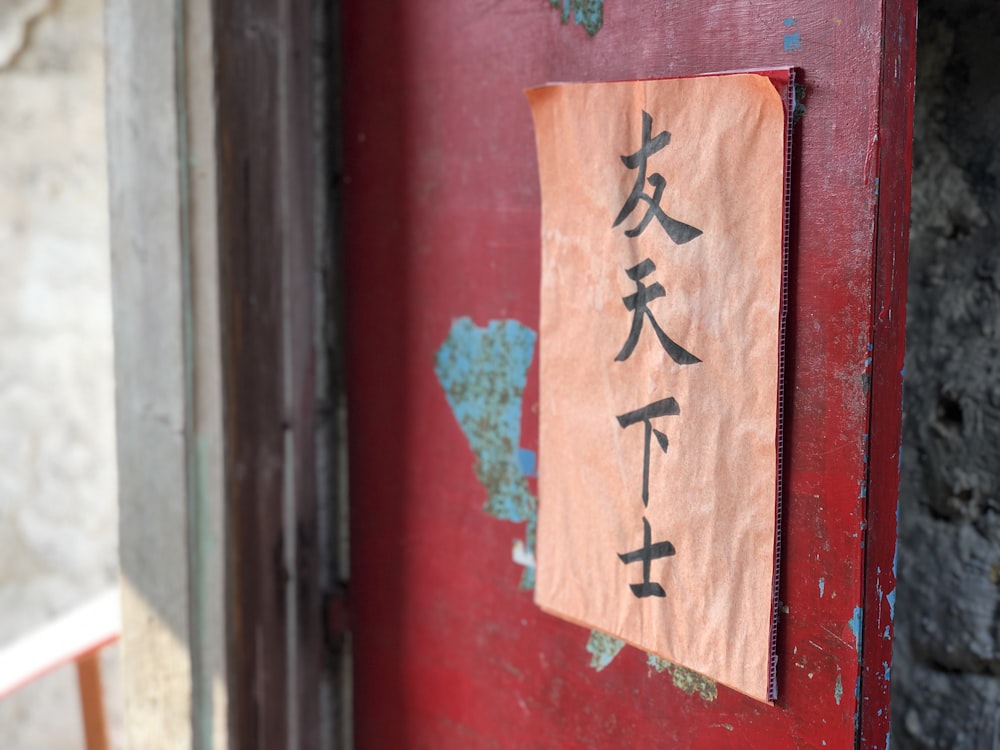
{"points": [[660, 344]]}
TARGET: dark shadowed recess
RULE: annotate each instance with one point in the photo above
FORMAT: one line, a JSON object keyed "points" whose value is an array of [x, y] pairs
{"points": [[946, 678]]}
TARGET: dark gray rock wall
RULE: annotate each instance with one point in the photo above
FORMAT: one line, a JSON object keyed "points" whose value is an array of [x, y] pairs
{"points": [[946, 676]]}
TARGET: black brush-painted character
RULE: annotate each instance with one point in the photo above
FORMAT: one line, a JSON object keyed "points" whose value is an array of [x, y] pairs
{"points": [[678, 231], [646, 554], [665, 407], [638, 305]]}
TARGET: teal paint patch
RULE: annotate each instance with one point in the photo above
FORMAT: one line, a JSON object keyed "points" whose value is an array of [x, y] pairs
{"points": [[838, 689], [528, 578], [891, 598], [657, 663], [529, 462], [603, 649], [855, 624], [792, 42], [822, 587], [483, 372], [586, 13]]}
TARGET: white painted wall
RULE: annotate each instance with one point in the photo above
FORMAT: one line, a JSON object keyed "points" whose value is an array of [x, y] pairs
{"points": [[58, 509]]}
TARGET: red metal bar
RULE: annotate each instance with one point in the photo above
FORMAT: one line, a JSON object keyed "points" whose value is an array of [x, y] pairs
{"points": [[88, 673]]}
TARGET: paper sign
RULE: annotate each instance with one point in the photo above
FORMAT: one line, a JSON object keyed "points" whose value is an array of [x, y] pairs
{"points": [[660, 343]]}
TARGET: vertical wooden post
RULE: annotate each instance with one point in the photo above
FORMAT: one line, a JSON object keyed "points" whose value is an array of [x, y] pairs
{"points": [[281, 430], [219, 185], [899, 38], [88, 674]]}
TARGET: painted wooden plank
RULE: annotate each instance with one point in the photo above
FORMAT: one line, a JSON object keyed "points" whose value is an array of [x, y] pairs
{"points": [[441, 244], [227, 422], [888, 338], [280, 426]]}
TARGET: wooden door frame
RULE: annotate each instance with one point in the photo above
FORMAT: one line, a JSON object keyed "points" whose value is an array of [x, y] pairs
{"points": [[223, 179], [230, 419], [282, 406]]}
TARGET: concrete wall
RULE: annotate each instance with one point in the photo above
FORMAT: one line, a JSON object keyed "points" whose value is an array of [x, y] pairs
{"points": [[58, 511]]}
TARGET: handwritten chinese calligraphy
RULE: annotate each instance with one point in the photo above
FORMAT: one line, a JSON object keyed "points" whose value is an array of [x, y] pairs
{"points": [[678, 231], [638, 305], [646, 554], [649, 551], [662, 220]]}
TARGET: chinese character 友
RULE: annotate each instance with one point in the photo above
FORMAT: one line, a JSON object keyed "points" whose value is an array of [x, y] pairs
{"points": [[677, 231]]}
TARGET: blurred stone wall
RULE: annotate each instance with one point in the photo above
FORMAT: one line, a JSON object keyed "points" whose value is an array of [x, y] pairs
{"points": [[58, 508], [946, 673]]}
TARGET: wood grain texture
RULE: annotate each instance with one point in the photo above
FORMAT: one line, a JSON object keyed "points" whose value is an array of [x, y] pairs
{"points": [[270, 213], [888, 339], [441, 221]]}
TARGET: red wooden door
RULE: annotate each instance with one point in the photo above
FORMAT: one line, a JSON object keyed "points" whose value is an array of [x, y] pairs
{"points": [[441, 252]]}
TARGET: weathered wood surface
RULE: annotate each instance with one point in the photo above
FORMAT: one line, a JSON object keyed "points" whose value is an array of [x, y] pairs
{"points": [[280, 426], [441, 222]]}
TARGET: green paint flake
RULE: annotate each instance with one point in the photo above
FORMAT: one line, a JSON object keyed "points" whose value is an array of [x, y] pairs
{"points": [[799, 108], [691, 682], [603, 648], [586, 13], [660, 665], [838, 689], [685, 679]]}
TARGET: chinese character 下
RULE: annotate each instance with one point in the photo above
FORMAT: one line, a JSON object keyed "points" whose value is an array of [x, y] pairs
{"points": [[666, 407]]}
